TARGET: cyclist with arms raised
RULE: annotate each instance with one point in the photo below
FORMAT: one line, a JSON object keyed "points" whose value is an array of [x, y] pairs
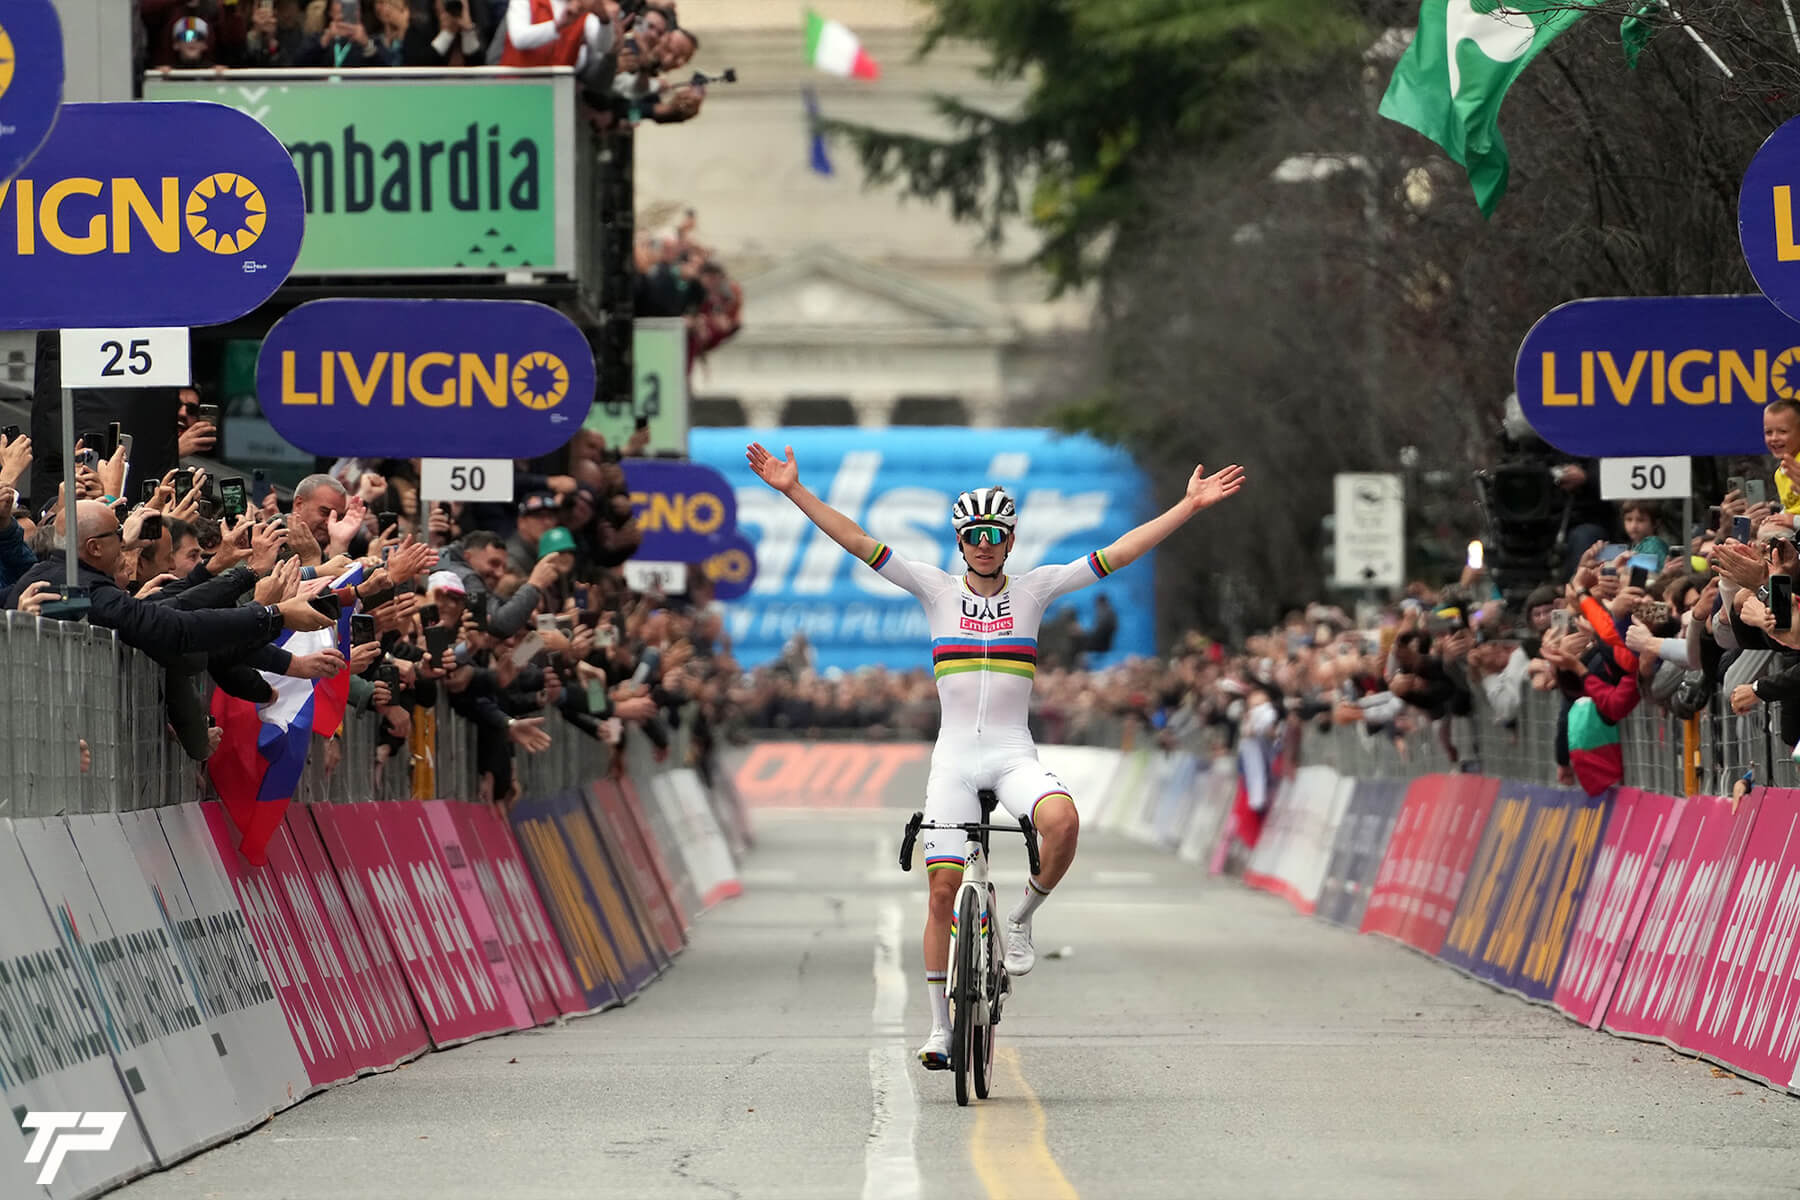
{"points": [[984, 628]]}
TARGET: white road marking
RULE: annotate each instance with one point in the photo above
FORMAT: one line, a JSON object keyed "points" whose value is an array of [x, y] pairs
{"points": [[890, 1162]]}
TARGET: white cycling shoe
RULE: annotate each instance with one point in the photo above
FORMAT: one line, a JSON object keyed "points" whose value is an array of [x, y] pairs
{"points": [[1020, 956], [934, 1055]]}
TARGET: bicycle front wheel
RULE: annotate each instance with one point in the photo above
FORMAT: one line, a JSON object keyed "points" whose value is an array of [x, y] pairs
{"points": [[967, 994]]}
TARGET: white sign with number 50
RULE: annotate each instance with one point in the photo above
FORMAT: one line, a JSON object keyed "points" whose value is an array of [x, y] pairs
{"points": [[466, 480], [1646, 478]]}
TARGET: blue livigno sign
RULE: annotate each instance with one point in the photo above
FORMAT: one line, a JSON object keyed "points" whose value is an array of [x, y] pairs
{"points": [[682, 507], [1766, 208], [148, 214], [31, 80], [1615, 378], [425, 378]]}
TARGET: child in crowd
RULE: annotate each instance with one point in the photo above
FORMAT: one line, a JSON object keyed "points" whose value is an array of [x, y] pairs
{"points": [[1643, 522], [1781, 434]]}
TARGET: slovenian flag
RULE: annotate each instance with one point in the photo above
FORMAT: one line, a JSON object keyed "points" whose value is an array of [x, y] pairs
{"points": [[833, 48], [262, 747]]}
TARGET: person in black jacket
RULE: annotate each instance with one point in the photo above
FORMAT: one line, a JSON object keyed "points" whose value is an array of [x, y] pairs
{"points": [[160, 630]]}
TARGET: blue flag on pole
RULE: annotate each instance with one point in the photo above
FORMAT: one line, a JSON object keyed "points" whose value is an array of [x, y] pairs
{"points": [[821, 162]]}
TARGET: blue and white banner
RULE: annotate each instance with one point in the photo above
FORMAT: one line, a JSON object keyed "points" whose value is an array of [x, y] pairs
{"points": [[1075, 495]]}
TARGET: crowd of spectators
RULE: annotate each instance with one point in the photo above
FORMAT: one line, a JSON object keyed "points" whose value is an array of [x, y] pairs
{"points": [[678, 276], [630, 57], [516, 616]]}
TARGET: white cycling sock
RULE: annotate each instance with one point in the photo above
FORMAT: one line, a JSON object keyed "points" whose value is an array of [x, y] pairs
{"points": [[1034, 896], [940, 1003]]}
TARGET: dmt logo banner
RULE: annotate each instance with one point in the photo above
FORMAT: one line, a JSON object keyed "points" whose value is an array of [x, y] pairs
{"points": [[1074, 494], [1657, 375], [1766, 206], [147, 214], [31, 80], [425, 378], [433, 176]]}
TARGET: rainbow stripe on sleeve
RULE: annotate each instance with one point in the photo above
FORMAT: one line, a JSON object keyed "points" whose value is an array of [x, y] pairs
{"points": [[879, 555], [1097, 560], [1006, 656]]}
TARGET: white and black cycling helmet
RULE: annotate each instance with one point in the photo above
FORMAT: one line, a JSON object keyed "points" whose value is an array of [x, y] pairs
{"points": [[989, 506]]}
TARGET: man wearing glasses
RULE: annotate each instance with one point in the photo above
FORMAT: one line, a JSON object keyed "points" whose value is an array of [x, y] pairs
{"points": [[984, 628]]}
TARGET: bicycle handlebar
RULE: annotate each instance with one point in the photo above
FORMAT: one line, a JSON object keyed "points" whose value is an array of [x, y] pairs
{"points": [[1024, 827]]}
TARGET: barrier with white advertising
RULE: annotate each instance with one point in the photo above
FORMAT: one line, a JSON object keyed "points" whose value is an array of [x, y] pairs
{"points": [[56, 1058]]}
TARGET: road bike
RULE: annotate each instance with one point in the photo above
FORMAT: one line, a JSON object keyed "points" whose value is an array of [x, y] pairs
{"points": [[977, 983]]}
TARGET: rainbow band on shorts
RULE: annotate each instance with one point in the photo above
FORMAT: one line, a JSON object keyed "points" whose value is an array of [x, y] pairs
{"points": [[1040, 800], [1097, 560], [944, 863], [879, 555]]}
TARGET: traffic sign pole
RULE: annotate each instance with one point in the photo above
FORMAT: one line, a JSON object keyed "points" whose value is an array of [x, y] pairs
{"points": [[122, 358]]}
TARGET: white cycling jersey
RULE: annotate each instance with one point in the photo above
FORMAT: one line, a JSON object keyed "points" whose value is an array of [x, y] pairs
{"points": [[984, 655]]}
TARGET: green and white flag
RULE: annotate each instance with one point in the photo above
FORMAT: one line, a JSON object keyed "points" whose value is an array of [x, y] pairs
{"points": [[1451, 81]]}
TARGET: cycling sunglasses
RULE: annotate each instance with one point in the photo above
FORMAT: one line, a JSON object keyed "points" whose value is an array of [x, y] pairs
{"points": [[993, 535]]}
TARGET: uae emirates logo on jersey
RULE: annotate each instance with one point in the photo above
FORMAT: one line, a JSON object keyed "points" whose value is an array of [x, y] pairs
{"points": [[987, 614]]}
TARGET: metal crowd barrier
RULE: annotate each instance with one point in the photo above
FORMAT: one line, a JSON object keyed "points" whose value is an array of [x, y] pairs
{"points": [[1662, 753], [73, 684]]}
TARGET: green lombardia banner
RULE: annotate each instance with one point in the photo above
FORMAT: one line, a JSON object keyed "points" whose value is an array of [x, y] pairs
{"points": [[660, 393], [423, 177]]}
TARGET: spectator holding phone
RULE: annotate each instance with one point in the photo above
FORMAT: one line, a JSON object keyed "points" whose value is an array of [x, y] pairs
{"points": [[344, 42], [16, 558], [456, 39]]}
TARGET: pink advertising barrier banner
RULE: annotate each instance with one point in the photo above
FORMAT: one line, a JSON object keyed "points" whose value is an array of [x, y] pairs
{"points": [[310, 1006], [394, 859], [608, 806], [1632, 849], [1663, 970], [398, 1034], [469, 862], [506, 880], [481, 921], [1745, 1012]]}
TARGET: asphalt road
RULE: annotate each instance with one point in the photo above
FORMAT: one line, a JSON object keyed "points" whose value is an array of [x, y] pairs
{"points": [[1201, 1040]]}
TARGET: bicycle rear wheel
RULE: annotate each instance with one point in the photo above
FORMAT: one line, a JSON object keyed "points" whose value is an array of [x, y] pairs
{"points": [[967, 993]]}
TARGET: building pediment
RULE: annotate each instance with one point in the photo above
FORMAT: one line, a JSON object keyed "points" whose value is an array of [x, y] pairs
{"points": [[820, 290]]}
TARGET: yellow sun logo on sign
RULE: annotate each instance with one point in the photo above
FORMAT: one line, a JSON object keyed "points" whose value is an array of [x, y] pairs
{"points": [[540, 381], [7, 58], [1778, 374], [226, 213]]}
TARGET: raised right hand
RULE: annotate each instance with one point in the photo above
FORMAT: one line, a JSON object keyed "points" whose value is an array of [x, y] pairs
{"points": [[781, 474], [299, 615]]}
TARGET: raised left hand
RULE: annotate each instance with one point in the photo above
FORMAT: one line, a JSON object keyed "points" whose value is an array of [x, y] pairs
{"points": [[1204, 491]]}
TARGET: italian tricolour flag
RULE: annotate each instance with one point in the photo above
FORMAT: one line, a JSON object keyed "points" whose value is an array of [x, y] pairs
{"points": [[832, 47]]}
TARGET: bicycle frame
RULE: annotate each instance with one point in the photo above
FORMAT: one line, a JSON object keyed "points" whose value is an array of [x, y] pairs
{"points": [[989, 988]]}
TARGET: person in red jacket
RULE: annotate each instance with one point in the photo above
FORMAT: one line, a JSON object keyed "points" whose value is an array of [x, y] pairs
{"points": [[554, 33]]}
